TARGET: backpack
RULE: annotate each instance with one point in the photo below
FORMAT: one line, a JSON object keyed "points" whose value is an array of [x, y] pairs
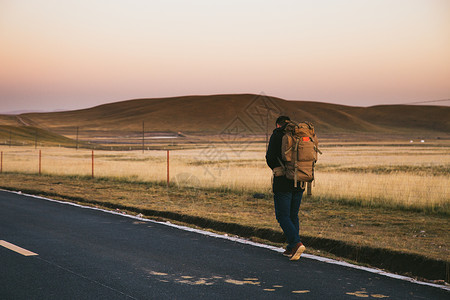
{"points": [[299, 151]]}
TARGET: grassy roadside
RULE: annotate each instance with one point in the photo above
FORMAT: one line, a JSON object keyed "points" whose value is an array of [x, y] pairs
{"points": [[415, 233]]}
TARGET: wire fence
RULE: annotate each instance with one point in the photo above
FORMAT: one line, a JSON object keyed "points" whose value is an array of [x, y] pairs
{"points": [[219, 167]]}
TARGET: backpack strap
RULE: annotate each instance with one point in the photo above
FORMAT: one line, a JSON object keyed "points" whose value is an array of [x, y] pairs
{"points": [[281, 164], [297, 141]]}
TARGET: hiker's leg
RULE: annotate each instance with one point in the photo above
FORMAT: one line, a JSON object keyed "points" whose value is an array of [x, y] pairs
{"points": [[295, 207], [282, 202]]}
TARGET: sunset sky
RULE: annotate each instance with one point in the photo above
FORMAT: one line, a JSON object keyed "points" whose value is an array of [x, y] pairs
{"points": [[70, 54]]}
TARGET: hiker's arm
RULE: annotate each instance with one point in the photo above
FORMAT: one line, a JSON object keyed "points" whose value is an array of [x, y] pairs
{"points": [[273, 151]]}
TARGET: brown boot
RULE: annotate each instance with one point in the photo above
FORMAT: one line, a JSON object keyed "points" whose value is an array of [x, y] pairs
{"points": [[297, 251], [288, 253]]}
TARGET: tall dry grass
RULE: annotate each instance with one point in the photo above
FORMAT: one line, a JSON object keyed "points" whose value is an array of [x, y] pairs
{"points": [[364, 175]]}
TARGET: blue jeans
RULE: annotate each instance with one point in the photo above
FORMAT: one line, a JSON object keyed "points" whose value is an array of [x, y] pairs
{"points": [[287, 206]]}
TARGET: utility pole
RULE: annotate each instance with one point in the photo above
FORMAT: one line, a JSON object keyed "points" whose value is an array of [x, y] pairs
{"points": [[35, 139], [267, 127], [77, 137], [143, 136]]}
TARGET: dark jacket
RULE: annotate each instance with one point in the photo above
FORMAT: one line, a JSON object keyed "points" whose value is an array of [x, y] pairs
{"points": [[273, 155]]}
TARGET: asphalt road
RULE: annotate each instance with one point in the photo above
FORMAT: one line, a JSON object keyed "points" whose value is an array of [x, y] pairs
{"points": [[91, 254]]}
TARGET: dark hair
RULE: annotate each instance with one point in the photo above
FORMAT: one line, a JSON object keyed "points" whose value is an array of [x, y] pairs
{"points": [[281, 120]]}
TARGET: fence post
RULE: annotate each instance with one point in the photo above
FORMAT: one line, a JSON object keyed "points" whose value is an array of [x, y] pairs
{"points": [[92, 163], [40, 159], [167, 168]]}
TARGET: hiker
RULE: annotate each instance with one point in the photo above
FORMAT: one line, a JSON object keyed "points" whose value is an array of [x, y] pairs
{"points": [[287, 196]]}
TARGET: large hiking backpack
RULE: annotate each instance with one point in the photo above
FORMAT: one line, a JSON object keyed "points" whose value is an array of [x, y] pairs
{"points": [[299, 149]]}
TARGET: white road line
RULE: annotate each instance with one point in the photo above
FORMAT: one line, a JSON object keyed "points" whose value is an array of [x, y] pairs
{"points": [[17, 249], [243, 241]]}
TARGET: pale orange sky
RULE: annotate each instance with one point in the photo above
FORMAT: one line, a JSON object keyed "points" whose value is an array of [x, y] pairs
{"points": [[80, 53]]}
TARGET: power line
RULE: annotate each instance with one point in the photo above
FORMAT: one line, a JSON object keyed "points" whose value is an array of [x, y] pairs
{"points": [[429, 101]]}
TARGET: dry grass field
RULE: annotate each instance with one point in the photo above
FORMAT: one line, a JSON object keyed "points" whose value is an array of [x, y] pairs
{"points": [[414, 176]]}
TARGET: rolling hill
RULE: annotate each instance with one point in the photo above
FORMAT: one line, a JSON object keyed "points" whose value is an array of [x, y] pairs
{"points": [[239, 114]]}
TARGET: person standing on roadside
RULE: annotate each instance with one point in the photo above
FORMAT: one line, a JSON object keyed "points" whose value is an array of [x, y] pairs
{"points": [[287, 198]]}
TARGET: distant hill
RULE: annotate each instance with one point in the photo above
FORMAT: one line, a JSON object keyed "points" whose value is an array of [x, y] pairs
{"points": [[241, 114], [29, 135]]}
